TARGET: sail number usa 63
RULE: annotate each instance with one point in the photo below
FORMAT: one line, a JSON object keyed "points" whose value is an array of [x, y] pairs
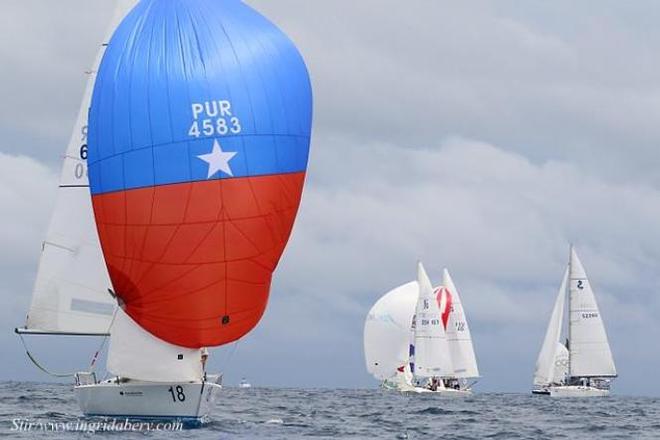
{"points": [[213, 118]]}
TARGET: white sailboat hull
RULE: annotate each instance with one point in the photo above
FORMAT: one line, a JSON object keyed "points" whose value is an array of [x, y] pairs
{"points": [[442, 392], [577, 391], [189, 402]]}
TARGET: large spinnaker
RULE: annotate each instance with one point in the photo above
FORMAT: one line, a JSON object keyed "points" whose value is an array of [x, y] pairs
{"points": [[198, 147], [590, 353], [545, 364], [387, 331], [71, 288]]}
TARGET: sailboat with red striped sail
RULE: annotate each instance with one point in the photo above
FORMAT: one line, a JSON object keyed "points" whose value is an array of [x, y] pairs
{"points": [[197, 150], [417, 339]]}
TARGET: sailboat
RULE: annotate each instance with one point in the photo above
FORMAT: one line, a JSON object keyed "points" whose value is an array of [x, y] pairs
{"points": [[417, 339], [584, 366], [195, 158]]}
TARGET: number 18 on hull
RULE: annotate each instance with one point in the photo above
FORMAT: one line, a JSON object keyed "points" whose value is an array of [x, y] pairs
{"points": [[187, 402]]}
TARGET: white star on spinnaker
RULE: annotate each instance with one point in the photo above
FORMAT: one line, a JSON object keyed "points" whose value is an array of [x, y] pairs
{"points": [[218, 160]]}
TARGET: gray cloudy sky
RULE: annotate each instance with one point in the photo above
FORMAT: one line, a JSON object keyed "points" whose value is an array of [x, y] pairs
{"points": [[479, 135]]}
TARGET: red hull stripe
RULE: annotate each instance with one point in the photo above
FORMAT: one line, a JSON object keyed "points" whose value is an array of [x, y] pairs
{"points": [[193, 261]]}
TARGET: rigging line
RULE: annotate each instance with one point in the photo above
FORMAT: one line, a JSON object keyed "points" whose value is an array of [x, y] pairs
{"points": [[103, 342], [39, 366], [231, 355]]}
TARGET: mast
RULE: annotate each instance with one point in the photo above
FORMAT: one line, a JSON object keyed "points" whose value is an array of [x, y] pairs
{"points": [[568, 321]]}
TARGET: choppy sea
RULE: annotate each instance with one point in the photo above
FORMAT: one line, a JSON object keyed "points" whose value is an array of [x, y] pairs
{"points": [[267, 413]]}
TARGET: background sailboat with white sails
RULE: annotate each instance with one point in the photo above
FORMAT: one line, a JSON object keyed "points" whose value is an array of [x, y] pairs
{"points": [[415, 334], [584, 367]]}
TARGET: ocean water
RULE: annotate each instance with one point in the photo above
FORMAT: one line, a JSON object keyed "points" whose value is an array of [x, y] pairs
{"points": [[266, 413]]}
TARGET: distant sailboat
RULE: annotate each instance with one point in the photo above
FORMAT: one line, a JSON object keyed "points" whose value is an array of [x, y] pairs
{"points": [[417, 339], [584, 367]]}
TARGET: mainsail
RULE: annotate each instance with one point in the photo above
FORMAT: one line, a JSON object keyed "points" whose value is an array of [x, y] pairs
{"points": [[431, 351], [387, 331], [590, 354], [545, 372], [71, 288], [459, 339]]}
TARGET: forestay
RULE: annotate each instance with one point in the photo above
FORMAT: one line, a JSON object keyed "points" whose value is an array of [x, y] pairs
{"points": [[71, 288], [590, 353], [431, 351], [459, 339], [545, 364], [387, 331]]}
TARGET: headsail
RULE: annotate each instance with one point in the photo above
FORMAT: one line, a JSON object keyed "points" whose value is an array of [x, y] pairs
{"points": [[136, 354], [459, 338], [561, 364], [387, 331], [71, 288], [545, 364], [432, 358], [590, 353]]}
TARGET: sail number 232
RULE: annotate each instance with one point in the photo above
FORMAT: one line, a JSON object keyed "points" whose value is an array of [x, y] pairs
{"points": [[177, 394]]}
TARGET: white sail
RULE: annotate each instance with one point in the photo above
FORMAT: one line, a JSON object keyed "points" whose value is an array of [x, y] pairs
{"points": [[387, 331], [589, 348], [459, 338], [71, 288], [561, 364], [136, 354], [545, 364], [432, 358]]}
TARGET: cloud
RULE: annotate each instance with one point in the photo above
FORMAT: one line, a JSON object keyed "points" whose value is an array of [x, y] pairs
{"points": [[43, 77], [502, 225], [578, 86]]}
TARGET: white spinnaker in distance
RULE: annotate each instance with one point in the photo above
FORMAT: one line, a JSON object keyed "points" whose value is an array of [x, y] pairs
{"points": [[590, 353], [387, 331], [459, 338], [136, 354], [432, 358], [545, 364], [71, 288]]}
